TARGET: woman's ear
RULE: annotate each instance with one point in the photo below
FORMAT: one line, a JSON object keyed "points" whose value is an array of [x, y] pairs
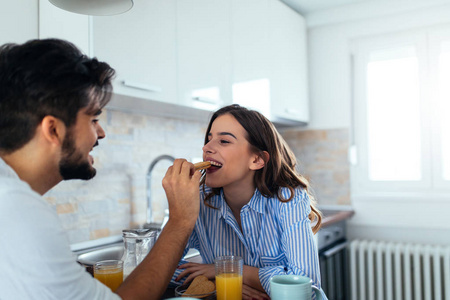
{"points": [[260, 160], [53, 130]]}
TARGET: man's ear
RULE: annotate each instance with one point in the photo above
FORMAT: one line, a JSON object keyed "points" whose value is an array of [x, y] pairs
{"points": [[53, 130], [260, 160]]}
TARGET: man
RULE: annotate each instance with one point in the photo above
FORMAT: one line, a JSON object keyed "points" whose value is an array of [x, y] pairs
{"points": [[50, 98]]}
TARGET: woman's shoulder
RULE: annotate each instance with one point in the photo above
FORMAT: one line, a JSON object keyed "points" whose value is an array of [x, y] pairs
{"points": [[300, 195], [279, 203], [298, 206]]}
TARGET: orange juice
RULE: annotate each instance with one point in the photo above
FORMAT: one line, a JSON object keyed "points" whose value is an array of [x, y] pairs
{"points": [[112, 278], [229, 286]]}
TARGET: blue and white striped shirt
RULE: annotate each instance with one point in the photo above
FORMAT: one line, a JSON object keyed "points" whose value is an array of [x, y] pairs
{"points": [[276, 236]]}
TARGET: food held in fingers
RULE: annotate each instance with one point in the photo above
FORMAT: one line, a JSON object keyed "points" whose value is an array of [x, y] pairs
{"points": [[202, 165]]}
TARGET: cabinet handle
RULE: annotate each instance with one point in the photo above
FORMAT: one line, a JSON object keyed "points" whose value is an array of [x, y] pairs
{"points": [[205, 100], [291, 111], [142, 86], [335, 249]]}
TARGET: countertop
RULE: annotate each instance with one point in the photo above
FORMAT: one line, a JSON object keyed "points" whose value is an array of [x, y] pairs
{"points": [[332, 216]]}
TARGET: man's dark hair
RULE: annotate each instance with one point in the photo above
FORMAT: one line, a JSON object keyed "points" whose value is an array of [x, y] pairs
{"points": [[47, 77]]}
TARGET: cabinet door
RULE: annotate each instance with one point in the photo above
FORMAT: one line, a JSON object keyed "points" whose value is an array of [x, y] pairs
{"points": [[203, 42], [140, 45], [58, 23], [18, 21], [289, 82], [250, 56]]}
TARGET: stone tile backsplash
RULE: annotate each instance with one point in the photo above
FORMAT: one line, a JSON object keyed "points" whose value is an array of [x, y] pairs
{"points": [[116, 198], [322, 159]]}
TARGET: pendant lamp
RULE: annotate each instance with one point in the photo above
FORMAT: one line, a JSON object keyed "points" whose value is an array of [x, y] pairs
{"points": [[94, 7]]}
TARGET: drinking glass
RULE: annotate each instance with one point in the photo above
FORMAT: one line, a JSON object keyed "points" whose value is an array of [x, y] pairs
{"points": [[229, 277], [109, 272]]}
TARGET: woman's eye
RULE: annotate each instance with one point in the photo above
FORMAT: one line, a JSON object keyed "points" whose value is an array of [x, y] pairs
{"points": [[95, 121], [224, 142]]}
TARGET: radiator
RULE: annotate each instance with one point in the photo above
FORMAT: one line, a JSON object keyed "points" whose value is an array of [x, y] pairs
{"points": [[394, 271]]}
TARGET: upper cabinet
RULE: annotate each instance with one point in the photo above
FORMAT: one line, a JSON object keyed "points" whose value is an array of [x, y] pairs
{"points": [[206, 54], [29, 20], [19, 21], [269, 60], [288, 64], [203, 53], [141, 46], [57, 23], [250, 57]]}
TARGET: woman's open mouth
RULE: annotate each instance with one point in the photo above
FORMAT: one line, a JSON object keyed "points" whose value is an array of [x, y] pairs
{"points": [[214, 166]]}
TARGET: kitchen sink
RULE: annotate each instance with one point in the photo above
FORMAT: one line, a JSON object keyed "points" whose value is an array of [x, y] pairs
{"points": [[110, 252], [88, 258]]}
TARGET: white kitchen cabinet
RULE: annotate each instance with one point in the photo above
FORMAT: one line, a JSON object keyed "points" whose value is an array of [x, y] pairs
{"points": [[23, 20], [203, 53], [249, 39], [141, 46], [288, 64], [269, 60], [58, 23], [19, 21]]}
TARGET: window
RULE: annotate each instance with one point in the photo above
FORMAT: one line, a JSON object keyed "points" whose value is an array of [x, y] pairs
{"points": [[444, 106], [392, 88], [401, 109]]}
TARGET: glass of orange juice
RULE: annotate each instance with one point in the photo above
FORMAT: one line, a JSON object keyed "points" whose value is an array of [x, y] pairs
{"points": [[109, 272], [229, 277]]}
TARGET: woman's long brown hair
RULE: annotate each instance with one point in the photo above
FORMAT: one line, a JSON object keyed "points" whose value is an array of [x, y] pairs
{"points": [[279, 170]]}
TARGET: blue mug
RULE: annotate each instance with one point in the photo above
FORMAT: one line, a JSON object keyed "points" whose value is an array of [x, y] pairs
{"points": [[292, 287]]}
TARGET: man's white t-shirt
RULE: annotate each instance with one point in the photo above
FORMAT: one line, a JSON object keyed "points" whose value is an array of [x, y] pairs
{"points": [[35, 257]]}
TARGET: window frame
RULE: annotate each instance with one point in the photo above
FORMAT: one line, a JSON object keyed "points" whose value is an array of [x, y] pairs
{"points": [[427, 44], [435, 39]]}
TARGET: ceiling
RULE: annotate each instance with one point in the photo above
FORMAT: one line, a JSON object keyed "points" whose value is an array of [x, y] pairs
{"points": [[305, 7]]}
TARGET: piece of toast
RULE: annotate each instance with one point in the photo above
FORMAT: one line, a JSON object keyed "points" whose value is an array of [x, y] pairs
{"points": [[202, 165], [200, 285]]}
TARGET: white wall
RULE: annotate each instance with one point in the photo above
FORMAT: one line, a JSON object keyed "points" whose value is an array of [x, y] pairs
{"points": [[330, 35], [329, 54]]}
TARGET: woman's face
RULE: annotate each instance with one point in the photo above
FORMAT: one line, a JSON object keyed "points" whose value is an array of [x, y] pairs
{"points": [[229, 152]]}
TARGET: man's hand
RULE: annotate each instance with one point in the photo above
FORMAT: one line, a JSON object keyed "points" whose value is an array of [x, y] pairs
{"points": [[181, 184], [150, 278]]}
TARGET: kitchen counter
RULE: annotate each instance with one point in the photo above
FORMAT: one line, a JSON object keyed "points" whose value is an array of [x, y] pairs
{"points": [[333, 228], [332, 216]]}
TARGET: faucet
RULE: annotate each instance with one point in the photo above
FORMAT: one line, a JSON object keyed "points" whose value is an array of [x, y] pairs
{"points": [[149, 223]]}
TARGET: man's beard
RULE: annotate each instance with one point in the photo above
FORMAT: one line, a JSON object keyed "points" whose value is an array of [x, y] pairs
{"points": [[72, 164]]}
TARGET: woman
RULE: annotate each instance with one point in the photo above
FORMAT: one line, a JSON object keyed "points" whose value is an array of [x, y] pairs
{"points": [[253, 204]]}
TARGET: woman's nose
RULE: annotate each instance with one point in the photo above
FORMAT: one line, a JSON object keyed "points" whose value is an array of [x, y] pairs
{"points": [[207, 148]]}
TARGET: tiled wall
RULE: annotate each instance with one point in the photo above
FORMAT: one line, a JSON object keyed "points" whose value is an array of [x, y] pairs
{"points": [[322, 158], [116, 198]]}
